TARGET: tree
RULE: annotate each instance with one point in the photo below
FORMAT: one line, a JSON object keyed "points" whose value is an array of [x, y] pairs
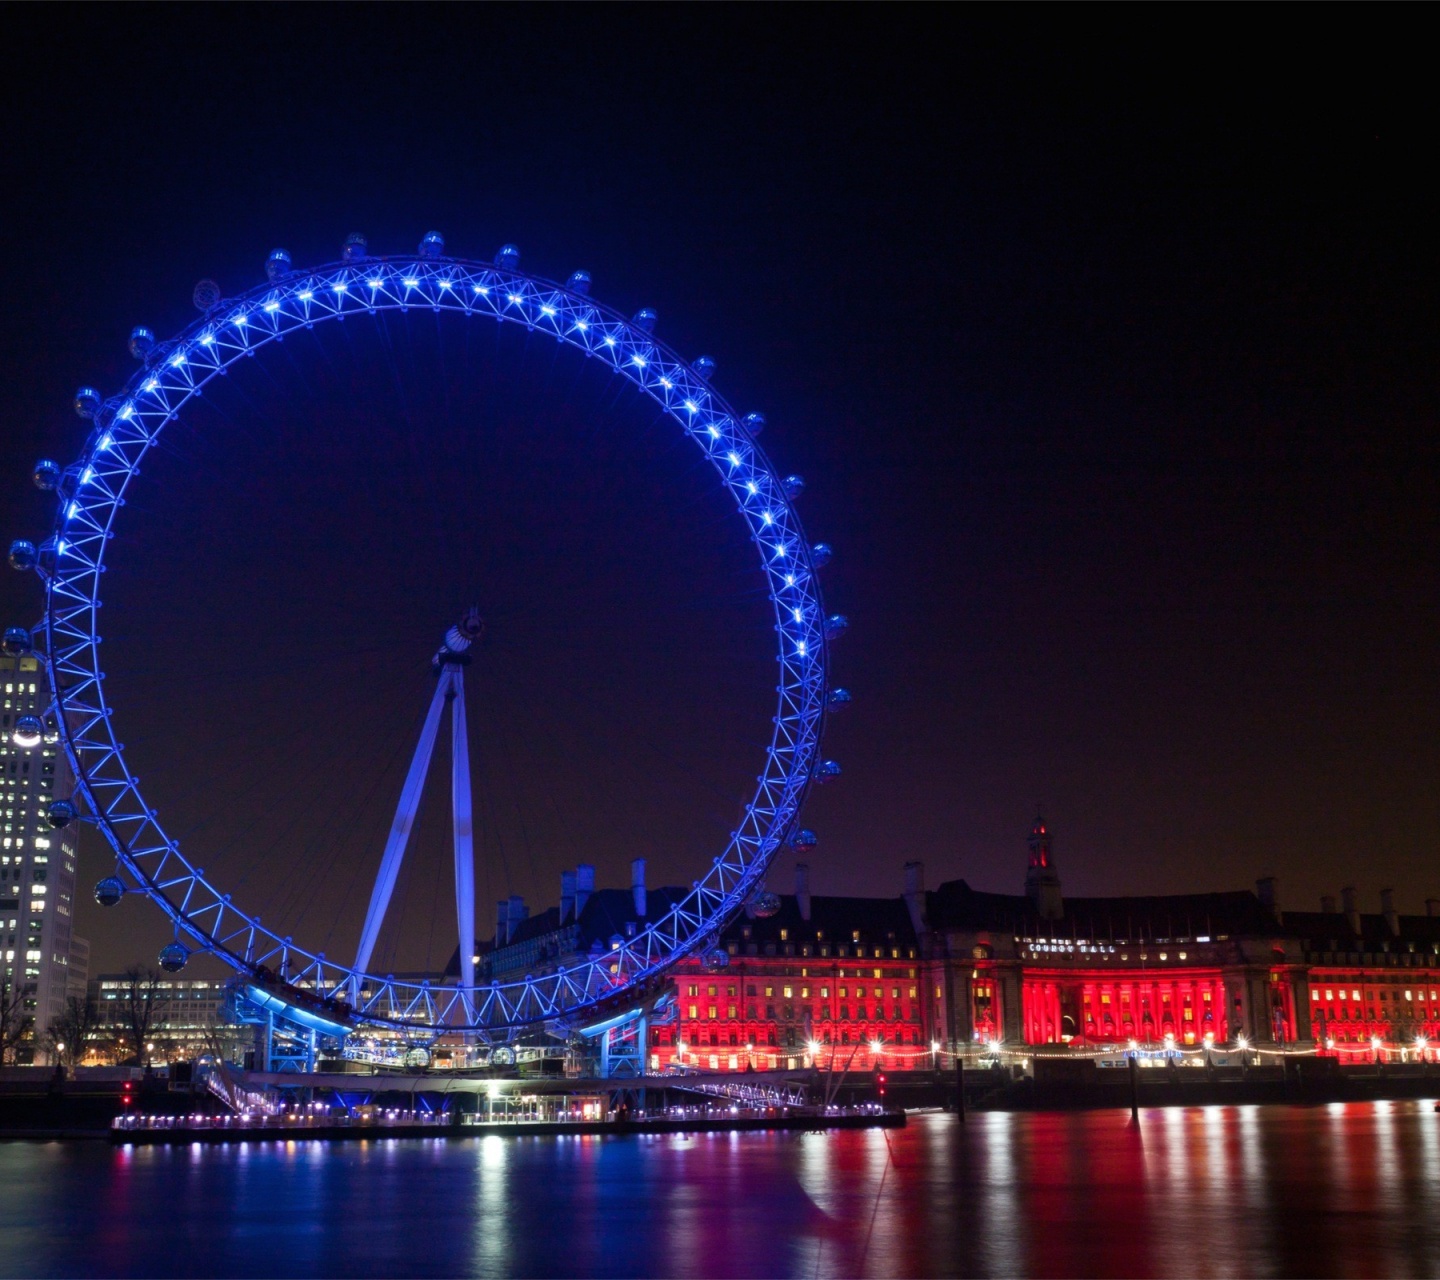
{"points": [[69, 1032], [15, 1022], [135, 1009]]}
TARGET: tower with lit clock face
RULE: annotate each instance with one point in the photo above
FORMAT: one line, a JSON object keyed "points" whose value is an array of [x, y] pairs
{"points": [[1042, 881]]}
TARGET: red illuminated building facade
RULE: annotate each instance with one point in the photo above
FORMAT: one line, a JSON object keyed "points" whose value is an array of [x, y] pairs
{"points": [[906, 982], [830, 980]]}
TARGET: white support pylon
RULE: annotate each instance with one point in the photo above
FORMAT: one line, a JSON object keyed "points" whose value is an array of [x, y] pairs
{"points": [[449, 687], [464, 832]]}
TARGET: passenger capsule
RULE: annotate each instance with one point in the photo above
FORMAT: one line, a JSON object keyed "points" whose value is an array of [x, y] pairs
{"points": [[23, 554], [142, 342], [109, 891], [278, 265], [173, 957], [754, 423], [579, 282], [765, 904], [718, 958], [432, 247], [28, 731], [645, 320], [825, 771], [87, 401], [804, 840], [61, 813], [508, 259], [837, 699], [794, 486], [206, 296], [821, 554], [356, 249], [835, 625], [46, 474], [704, 368], [18, 641]]}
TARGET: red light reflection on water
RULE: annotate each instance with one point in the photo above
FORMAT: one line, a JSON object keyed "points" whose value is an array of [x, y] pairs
{"points": [[1345, 1189]]}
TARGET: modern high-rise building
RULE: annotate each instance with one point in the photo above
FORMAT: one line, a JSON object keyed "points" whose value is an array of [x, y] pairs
{"points": [[37, 862]]}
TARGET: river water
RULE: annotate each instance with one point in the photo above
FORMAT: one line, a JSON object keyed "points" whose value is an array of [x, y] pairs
{"points": [[1341, 1189]]}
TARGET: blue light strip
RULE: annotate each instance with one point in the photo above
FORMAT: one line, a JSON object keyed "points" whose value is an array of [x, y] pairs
{"points": [[128, 425]]}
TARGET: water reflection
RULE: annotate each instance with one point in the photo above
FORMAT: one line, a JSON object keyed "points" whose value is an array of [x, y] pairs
{"points": [[1348, 1189]]}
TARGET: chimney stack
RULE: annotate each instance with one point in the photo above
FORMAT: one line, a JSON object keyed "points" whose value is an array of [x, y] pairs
{"points": [[518, 912], [1351, 904], [1387, 909], [637, 885], [1432, 906], [502, 922], [1327, 903], [1265, 890], [584, 886], [802, 889], [915, 894], [567, 897]]}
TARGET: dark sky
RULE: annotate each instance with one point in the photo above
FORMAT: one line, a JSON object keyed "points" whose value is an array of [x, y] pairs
{"points": [[1106, 342]]}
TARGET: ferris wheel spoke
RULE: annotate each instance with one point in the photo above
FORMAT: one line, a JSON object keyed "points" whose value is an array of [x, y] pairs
{"points": [[127, 427]]}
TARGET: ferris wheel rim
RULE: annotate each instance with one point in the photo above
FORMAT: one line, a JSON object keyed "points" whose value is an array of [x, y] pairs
{"points": [[127, 425]]}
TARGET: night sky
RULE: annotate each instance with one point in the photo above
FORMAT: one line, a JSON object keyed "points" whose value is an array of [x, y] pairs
{"points": [[1106, 343]]}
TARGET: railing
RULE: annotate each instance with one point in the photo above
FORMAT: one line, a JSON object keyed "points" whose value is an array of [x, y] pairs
{"points": [[237, 1097], [283, 1122], [754, 1096]]}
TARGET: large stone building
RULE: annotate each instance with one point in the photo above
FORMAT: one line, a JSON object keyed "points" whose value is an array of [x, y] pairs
{"points": [[1040, 968], [910, 980]]}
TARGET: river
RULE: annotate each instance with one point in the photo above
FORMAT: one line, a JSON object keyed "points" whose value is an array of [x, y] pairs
{"points": [[1340, 1189]]}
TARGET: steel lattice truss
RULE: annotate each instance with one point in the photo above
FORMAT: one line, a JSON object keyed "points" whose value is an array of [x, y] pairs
{"points": [[93, 491]]}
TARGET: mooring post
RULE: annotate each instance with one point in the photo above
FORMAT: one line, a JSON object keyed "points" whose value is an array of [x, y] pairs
{"points": [[960, 1086], [1134, 1087]]}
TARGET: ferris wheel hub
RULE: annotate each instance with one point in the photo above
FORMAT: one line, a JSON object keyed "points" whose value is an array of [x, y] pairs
{"points": [[71, 562]]}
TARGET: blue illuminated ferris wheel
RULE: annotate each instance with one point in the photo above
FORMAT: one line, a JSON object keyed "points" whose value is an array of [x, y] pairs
{"points": [[149, 862]]}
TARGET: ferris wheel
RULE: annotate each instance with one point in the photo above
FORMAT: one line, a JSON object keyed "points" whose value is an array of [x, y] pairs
{"points": [[149, 862]]}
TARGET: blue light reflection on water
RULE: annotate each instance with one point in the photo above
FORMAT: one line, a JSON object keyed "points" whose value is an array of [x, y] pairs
{"points": [[1343, 1189]]}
